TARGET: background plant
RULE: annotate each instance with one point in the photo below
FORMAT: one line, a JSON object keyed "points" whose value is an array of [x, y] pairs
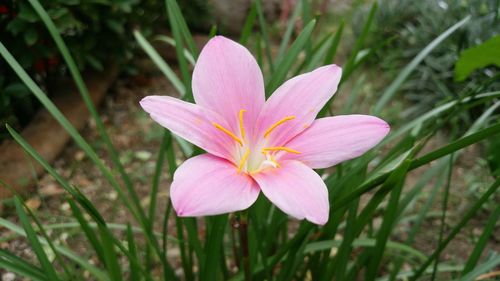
{"points": [[376, 215]]}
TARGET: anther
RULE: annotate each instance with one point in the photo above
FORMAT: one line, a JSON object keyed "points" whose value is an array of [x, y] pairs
{"points": [[242, 128], [228, 133], [282, 148], [273, 126]]}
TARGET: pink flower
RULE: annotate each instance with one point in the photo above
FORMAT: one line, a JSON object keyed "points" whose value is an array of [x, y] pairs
{"points": [[256, 145]]}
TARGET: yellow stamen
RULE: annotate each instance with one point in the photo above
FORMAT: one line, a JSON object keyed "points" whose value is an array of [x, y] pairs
{"points": [[265, 149], [243, 159], [228, 133], [242, 128], [277, 124]]}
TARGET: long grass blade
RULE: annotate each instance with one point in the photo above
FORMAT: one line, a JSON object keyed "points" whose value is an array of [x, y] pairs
{"points": [[488, 230], [96, 272], [248, 26], [170, 41], [332, 50], [134, 269], [213, 246], [367, 242], [176, 24], [360, 42], [389, 218], [265, 34], [12, 263], [288, 32], [87, 230], [480, 270], [444, 208], [284, 66], [182, 26]]}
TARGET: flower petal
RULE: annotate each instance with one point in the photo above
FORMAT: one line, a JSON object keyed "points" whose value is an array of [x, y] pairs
{"points": [[192, 123], [227, 79], [303, 97], [206, 185], [296, 190], [332, 140]]}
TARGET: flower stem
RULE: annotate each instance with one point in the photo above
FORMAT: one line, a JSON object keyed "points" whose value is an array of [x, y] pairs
{"points": [[243, 230]]}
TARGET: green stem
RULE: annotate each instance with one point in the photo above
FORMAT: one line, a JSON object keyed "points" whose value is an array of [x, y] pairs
{"points": [[242, 226]]}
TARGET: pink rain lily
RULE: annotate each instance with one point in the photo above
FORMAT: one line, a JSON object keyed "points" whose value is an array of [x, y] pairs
{"points": [[256, 145]]}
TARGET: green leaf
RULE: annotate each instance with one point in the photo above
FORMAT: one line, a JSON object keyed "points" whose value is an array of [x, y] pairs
{"points": [[487, 53], [248, 26], [284, 66], [47, 266], [332, 50], [213, 246], [134, 270], [422, 213], [369, 243], [63, 250], [110, 257], [444, 209], [265, 33], [84, 225], [481, 269], [12, 263], [213, 31], [360, 42], [176, 24], [183, 29], [395, 182], [171, 42], [288, 32], [488, 230]]}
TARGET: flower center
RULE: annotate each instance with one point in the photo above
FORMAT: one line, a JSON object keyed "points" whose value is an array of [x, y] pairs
{"points": [[252, 158]]}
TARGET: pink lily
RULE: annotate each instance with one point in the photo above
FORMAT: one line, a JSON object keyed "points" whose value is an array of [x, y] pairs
{"points": [[256, 145]]}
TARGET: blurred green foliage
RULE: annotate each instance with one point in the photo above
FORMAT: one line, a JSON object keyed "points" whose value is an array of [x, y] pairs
{"points": [[412, 25]]}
